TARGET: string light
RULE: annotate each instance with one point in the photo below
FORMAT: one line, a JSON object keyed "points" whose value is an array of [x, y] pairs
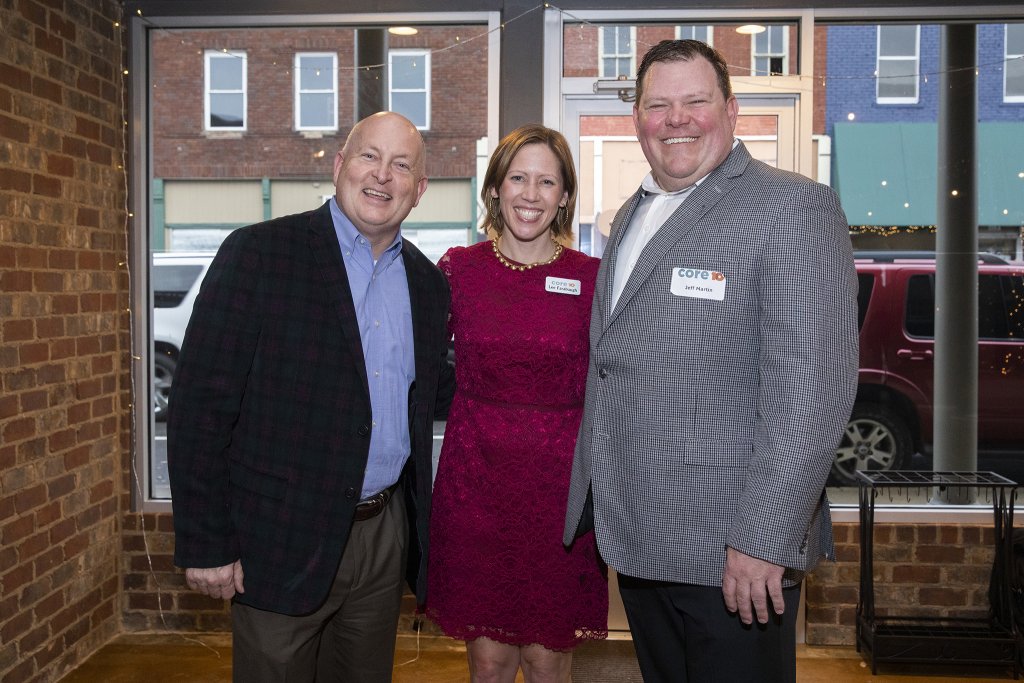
{"points": [[581, 23]]}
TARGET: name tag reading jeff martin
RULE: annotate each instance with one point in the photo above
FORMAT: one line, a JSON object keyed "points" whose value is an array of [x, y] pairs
{"points": [[562, 285], [699, 284]]}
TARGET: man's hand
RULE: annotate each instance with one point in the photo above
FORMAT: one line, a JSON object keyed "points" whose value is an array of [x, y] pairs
{"points": [[750, 581], [217, 582]]}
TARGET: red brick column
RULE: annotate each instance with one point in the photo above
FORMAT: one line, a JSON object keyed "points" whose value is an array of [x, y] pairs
{"points": [[64, 347]]}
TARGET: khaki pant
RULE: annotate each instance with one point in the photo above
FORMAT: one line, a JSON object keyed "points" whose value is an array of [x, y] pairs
{"points": [[351, 637]]}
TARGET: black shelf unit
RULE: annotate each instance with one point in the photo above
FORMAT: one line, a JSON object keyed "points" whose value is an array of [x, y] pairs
{"points": [[988, 641]]}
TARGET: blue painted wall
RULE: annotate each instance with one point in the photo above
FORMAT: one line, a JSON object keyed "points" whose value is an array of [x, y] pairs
{"points": [[851, 82]]}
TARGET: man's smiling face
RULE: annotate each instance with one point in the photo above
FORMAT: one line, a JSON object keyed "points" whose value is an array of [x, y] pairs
{"points": [[379, 175], [683, 121]]}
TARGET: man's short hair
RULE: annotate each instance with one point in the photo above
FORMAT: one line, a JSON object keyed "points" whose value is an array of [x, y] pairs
{"points": [[684, 51]]}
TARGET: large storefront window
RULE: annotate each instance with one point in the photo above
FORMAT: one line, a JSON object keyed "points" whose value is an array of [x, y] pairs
{"points": [[872, 135], [245, 126], [881, 117]]}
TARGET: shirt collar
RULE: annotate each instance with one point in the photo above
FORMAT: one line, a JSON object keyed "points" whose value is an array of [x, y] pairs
{"points": [[347, 234], [650, 185]]}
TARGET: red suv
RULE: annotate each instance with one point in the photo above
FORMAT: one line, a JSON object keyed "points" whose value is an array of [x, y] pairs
{"points": [[892, 416]]}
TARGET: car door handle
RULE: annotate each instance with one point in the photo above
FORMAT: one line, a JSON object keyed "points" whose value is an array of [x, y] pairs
{"points": [[914, 355]]}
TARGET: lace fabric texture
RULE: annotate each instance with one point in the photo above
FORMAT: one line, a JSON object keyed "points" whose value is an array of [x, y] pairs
{"points": [[497, 564]]}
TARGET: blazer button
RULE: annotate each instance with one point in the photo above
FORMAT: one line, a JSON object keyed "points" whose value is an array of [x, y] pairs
{"points": [[350, 492], [363, 430], [602, 373]]}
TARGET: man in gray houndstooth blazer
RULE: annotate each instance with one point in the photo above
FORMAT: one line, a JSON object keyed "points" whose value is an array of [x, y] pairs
{"points": [[723, 370]]}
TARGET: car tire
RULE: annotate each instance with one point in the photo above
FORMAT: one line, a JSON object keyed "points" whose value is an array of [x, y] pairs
{"points": [[876, 439], [163, 375]]}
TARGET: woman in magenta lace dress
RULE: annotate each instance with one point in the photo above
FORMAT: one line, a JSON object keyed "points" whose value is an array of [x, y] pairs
{"points": [[500, 578]]}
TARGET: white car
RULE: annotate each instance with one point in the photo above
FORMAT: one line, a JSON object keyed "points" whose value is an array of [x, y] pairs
{"points": [[175, 277]]}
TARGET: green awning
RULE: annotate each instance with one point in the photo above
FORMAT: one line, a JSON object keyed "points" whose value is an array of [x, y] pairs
{"points": [[885, 173]]}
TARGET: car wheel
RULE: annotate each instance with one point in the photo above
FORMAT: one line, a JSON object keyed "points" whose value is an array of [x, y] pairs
{"points": [[875, 440], [163, 374]]}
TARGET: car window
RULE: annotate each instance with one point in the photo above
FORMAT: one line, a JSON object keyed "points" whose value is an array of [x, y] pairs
{"points": [[991, 311], [1013, 303], [1000, 306], [171, 284], [865, 282], [920, 317]]}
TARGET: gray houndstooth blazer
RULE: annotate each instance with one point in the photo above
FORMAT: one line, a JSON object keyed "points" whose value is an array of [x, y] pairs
{"points": [[711, 423]]}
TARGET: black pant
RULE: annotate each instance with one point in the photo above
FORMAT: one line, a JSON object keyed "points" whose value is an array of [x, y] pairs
{"points": [[684, 634]]}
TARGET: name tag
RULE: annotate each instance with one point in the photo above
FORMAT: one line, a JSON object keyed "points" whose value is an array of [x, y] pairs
{"points": [[698, 284], [561, 285]]}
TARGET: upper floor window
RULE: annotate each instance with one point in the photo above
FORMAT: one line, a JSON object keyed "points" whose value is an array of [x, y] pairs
{"points": [[771, 48], [225, 91], [1013, 69], [899, 60], [316, 91], [617, 56], [409, 85], [700, 32]]}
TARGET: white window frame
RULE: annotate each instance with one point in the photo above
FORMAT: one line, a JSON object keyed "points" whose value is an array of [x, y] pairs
{"points": [[208, 57], [1019, 57], [299, 90], [425, 56], [603, 53], [916, 58], [755, 55], [708, 30]]}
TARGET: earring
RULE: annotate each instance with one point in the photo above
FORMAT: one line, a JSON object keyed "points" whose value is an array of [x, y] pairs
{"points": [[562, 216], [492, 208]]}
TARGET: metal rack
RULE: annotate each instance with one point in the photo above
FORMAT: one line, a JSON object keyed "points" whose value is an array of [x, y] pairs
{"points": [[992, 640]]}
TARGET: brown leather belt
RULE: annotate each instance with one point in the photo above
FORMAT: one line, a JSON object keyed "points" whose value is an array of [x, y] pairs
{"points": [[374, 505]]}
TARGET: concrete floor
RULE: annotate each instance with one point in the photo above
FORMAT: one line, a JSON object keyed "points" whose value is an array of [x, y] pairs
{"points": [[148, 658]]}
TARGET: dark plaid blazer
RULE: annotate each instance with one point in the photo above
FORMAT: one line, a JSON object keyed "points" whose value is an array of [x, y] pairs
{"points": [[269, 425]]}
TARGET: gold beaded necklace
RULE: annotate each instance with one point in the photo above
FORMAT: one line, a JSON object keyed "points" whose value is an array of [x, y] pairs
{"points": [[524, 266]]}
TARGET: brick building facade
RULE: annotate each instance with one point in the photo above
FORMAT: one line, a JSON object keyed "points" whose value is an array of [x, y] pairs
{"points": [[271, 146]]}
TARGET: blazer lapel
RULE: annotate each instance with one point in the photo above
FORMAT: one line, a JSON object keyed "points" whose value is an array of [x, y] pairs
{"points": [[323, 241], [703, 198], [606, 273], [421, 306]]}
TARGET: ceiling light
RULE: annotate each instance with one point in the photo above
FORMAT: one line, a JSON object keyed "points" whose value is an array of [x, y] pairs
{"points": [[403, 30], [751, 29]]}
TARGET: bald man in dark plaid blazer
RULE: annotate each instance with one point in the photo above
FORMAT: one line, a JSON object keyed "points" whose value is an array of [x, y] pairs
{"points": [[271, 421]]}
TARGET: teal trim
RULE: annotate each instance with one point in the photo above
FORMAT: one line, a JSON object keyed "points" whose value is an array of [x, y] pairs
{"points": [[422, 225], [886, 173], [476, 235], [205, 226], [266, 199], [447, 225], [158, 217]]}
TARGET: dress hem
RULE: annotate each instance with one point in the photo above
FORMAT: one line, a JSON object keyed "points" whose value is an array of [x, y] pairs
{"points": [[499, 635]]}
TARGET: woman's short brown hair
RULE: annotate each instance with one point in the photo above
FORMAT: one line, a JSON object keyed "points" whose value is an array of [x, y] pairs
{"points": [[501, 160]]}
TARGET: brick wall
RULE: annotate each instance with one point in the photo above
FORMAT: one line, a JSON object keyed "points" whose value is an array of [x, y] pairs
{"points": [[920, 570], [156, 597], [63, 334]]}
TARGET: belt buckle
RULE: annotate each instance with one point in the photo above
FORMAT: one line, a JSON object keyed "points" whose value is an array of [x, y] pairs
{"points": [[372, 506]]}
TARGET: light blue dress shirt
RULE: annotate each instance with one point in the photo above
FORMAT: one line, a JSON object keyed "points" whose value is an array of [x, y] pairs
{"points": [[380, 292]]}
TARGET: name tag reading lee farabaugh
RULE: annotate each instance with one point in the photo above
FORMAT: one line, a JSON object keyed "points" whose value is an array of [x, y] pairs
{"points": [[698, 284], [562, 285]]}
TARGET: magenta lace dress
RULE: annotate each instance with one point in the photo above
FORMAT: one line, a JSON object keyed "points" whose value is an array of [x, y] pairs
{"points": [[497, 564]]}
